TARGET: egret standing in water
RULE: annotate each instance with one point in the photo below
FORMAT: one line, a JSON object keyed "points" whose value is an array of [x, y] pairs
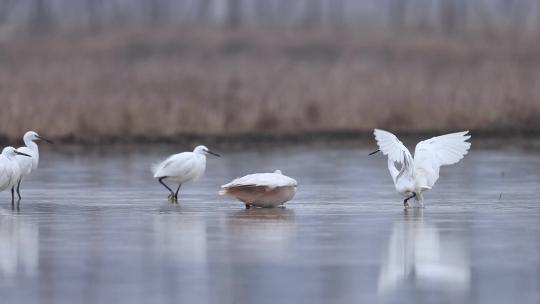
{"points": [[10, 172], [414, 176], [181, 168], [27, 165], [261, 189]]}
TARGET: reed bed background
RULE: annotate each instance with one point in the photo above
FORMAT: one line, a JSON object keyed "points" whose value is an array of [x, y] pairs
{"points": [[161, 83]]}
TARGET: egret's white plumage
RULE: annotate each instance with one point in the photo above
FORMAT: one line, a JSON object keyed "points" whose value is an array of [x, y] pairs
{"points": [[262, 189], [415, 175], [28, 164], [9, 169], [182, 167]]}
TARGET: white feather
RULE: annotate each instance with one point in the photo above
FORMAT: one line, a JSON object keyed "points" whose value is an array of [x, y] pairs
{"points": [[9, 169], [271, 180], [262, 189], [181, 167], [420, 173]]}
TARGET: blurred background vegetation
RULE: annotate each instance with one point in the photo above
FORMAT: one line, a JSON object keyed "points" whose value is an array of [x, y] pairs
{"points": [[103, 70]]}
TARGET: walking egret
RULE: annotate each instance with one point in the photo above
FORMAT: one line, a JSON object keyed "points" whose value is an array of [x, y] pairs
{"points": [[413, 176], [26, 164], [9, 170], [181, 168], [261, 189]]}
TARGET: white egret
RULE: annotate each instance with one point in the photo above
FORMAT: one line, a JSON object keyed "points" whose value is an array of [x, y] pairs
{"points": [[181, 168], [261, 189], [27, 165], [9, 170], [414, 176]]}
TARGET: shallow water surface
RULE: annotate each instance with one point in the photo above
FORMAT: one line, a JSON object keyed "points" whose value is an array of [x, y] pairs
{"points": [[94, 227]]}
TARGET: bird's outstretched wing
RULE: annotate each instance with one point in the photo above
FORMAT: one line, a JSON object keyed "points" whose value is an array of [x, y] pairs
{"points": [[392, 147], [441, 150]]}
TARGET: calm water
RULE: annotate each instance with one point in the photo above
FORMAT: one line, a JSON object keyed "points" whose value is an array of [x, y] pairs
{"points": [[94, 227]]}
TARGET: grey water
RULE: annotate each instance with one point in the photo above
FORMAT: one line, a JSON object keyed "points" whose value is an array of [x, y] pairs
{"points": [[94, 227]]}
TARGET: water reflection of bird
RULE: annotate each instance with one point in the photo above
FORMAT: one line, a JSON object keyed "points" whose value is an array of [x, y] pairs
{"points": [[26, 164], [419, 254], [261, 234], [262, 189], [19, 244], [414, 176], [181, 168], [180, 238]]}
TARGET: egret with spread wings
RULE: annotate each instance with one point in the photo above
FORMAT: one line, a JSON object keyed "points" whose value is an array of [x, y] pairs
{"points": [[412, 176], [181, 168]]}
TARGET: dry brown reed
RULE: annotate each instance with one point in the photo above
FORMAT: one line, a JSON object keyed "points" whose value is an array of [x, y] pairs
{"points": [[161, 83]]}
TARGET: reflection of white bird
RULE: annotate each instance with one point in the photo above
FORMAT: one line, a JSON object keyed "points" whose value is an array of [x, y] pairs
{"points": [[414, 176], [418, 252], [19, 246], [262, 189], [181, 168], [26, 164], [190, 246], [9, 170], [260, 235]]}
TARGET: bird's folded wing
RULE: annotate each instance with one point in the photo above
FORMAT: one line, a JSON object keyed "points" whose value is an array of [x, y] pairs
{"points": [[5, 174], [175, 165], [271, 180], [443, 150], [391, 146]]}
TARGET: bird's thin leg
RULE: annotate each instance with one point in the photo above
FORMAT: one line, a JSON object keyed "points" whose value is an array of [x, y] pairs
{"points": [[13, 196], [176, 193], [405, 204], [161, 182], [18, 188]]}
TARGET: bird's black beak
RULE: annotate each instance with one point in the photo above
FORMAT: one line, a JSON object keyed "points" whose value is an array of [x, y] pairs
{"points": [[44, 139], [374, 152], [20, 153], [213, 153]]}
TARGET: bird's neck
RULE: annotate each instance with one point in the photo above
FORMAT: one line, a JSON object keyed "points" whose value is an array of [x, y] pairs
{"points": [[31, 144]]}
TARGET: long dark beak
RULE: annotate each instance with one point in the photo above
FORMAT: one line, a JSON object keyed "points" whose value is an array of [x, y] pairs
{"points": [[44, 139], [374, 152], [20, 153], [213, 153]]}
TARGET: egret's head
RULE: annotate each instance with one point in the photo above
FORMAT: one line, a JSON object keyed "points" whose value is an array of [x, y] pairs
{"points": [[204, 151], [11, 152], [33, 136]]}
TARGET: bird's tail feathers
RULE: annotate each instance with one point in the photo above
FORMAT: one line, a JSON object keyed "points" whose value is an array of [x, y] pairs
{"points": [[155, 168]]}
